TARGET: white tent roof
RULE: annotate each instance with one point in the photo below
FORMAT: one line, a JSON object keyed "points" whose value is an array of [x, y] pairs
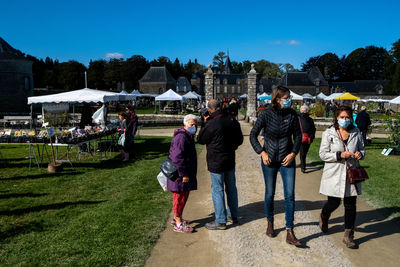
{"points": [[321, 96], [395, 100], [307, 95], [199, 96], [77, 96], [191, 95], [125, 96], [136, 92], [374, 100], [170, 95], [332, 96], [243, 96], [295, 96]]}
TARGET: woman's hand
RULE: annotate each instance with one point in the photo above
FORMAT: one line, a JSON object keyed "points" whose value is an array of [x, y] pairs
{"points": [[346, 154], [288, 159], [185, 179], [266, 160], [358, 155]]}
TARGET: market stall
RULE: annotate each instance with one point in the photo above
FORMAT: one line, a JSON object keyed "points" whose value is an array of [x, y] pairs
{"points": [[170, 95]]}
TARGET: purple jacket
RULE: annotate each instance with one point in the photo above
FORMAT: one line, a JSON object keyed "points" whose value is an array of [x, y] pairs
{"points": [[183, 154]]}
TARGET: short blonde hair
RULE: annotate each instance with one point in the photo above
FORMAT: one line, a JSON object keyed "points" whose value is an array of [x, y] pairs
{"points": [[190, 117]]}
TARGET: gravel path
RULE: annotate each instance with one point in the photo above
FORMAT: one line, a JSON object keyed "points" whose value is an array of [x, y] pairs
{"points": [[247, 244]]}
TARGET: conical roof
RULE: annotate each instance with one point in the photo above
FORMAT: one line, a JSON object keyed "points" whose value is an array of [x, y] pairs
{"points": [[8, 52], [227, 66]]}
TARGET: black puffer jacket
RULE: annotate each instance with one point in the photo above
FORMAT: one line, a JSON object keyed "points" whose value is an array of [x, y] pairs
{"points": [[279, 127], [222, 135]]}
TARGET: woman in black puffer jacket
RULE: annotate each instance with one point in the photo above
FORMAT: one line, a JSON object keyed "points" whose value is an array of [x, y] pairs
{"points": [[279, 124]]}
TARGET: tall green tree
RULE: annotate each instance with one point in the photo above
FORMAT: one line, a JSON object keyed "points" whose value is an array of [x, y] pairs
{"points": [[219, 59], [112, 74], [72, 75], [132, 70], [95, 74]]}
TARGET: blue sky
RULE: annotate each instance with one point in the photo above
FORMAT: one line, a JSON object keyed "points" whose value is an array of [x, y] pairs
{"points": [[278, 31]]}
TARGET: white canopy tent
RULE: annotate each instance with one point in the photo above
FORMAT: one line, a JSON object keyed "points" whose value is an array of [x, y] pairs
{"points": [[170, 95], [191, 95], [395, 100], [333, 96], [125, 96], [374, 100], [321, 96], [76, 96], [295, 96], [136, 93], [307, 96], [243, 96]]}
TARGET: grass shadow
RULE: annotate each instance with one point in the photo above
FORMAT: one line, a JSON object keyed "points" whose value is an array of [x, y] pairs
{"points": [[17, 195], [40, 175], [24, 229], [55, 206]]}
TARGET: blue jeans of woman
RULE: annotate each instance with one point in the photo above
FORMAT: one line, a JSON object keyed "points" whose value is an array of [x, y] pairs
{"points": [[288, 178]]}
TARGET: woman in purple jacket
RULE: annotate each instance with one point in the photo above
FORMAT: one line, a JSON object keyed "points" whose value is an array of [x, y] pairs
{"points": [[183, 154]]}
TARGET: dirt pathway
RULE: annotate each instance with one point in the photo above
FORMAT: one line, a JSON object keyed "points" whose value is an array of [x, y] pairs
{"points": [[247, 244]]}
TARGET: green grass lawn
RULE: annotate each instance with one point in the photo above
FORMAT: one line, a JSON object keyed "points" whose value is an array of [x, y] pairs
{"points": [[383, 188], [102, 213]]}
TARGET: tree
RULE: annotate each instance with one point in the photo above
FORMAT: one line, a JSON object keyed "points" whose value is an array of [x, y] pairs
{"points": [[219, 60], [112, 74], [310, 63], [132, 70], [72, 75], [237, 67], [395, 82], [95, 74]]}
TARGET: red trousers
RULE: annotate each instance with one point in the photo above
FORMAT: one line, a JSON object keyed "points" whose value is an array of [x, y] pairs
{"points": [[179, 200]]}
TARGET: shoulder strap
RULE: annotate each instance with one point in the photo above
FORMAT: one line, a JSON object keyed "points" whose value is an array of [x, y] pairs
{"points": [[301, 128]]}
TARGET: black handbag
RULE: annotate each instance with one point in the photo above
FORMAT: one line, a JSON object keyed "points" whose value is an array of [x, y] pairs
{"points": [[168, 168]]}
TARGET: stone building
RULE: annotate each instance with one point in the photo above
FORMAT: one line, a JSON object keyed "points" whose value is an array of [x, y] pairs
{"points": [[359, 87], [312, 82], [157, 80], [16, 80], [183, 85], [197, 82]]}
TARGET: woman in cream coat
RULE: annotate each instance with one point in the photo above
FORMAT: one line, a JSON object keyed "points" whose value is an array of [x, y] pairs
{"points": [[334, 183]]}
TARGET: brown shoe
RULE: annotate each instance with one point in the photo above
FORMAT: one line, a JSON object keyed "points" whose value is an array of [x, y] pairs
{"points": [[348, 238], [323, 223], [291, 238], [270, 229]]}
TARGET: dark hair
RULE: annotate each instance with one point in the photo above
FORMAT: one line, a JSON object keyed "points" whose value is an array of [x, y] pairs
{"points": [[339, 110], [278, 93], [123, 115]]}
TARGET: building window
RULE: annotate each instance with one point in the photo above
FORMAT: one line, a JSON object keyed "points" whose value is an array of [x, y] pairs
{"points": [[233, 89], [218, 90], [238, 81], [225, 81], [261, 88], [184, 88], [238, 89], [225, 89]]}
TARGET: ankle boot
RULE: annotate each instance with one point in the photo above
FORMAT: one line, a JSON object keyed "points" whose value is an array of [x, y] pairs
{"points": [[291, 238], [270, 229], [348, 238], [323, 223]]}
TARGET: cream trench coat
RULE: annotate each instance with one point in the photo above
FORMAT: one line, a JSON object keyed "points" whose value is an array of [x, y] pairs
{"points": [[334, 182]]}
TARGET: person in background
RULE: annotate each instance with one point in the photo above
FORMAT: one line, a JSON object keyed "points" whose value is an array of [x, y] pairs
{"points": [[222, 135], [133, 125], [363, 121], [306, 126], [124, 129], [327, 109], [183, 154], [279, 124], [341, 142]]}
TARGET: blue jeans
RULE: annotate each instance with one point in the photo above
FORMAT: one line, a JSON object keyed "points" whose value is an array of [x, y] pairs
{"points": [[218, 180], [288, 178]]}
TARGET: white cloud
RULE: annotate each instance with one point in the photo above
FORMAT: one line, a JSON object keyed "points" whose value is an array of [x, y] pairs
{"points": [[275, 42], [293, 42], [114, 55]]}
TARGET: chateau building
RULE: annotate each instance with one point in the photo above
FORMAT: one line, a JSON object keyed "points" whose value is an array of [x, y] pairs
{"points": [[312, 82], [359, 87], [16, 80], [157, 80], [183, 85]]}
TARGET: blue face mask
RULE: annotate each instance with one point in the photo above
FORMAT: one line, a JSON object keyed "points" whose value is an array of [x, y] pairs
{"points": [[287, 103], [192, 129], [344, 123]]}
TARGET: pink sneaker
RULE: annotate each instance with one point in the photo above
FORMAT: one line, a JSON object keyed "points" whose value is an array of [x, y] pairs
{"points": [[173, 222], [183, 228]]}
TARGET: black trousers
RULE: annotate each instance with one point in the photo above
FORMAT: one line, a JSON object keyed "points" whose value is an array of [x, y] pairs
{"points": [[349, 209], [303, 154]]}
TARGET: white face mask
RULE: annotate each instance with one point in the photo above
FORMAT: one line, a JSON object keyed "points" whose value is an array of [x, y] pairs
{"points": [[192, 129]]}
